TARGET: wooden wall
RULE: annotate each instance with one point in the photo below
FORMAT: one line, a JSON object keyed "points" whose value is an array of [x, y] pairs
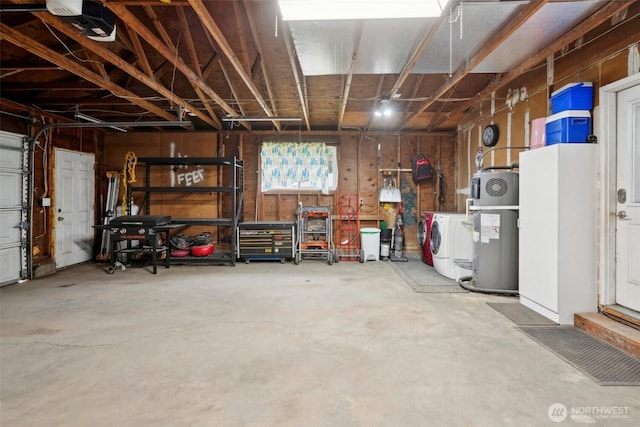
{"points": [[28, 121], [358, 172], [602, 56]]}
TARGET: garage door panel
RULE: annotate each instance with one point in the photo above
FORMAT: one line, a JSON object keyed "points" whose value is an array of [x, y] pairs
{"points": [[9, 257], [13, 211], [9, 228], [11, 148], [11, 194]]}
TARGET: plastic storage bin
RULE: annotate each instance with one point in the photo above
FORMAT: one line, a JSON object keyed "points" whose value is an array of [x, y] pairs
{"points": [[370, 243], [574, 96], [568, 126], [538, 132]]}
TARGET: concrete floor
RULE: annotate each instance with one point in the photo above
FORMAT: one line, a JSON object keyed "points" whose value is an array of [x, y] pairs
{"points": [[267, 344]]}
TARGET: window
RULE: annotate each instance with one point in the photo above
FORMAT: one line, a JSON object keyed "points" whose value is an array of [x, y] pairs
{"points": [[298, 166]]}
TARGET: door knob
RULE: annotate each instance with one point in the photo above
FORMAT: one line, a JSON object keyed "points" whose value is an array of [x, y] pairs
{"points": [[622, 215], [60, 218]]}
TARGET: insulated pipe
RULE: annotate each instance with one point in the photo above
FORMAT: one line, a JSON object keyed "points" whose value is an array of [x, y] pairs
{"points": [[481, 157], [462, 280]]}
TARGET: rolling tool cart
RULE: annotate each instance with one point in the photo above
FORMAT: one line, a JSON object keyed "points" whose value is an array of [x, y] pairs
{"points": [[315, 235], [263, 241]]}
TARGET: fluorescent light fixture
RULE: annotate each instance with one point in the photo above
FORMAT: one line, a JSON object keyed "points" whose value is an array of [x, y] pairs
{"points": [[316, 10], [84, 117], [261, 119]]}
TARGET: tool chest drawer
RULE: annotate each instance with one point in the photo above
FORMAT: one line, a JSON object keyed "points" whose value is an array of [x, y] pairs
{"points": [[266, 240]]}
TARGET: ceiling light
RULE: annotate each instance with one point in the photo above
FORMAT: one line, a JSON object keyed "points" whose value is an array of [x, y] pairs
{"points": [[384, 108], [383, 112], [314, 10]]}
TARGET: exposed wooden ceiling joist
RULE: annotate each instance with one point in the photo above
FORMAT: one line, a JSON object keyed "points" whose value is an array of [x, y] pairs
{"points": [[104, 53], [599, 17], [44, 52], [217, 58], [352, 68], [497, 38], [130, 20], [226, 49], [297, 75]]}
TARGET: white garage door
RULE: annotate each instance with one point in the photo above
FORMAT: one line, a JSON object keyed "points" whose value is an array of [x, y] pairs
{"points": [[13, 202]]}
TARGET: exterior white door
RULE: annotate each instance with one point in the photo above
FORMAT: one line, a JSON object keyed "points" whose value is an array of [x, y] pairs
{"points": [[628, 199], [74, 210], [13, 212]]}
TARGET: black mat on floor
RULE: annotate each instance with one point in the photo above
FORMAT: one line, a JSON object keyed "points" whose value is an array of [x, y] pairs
{"points": [[423, 278], [519, 314], [603, 363]]}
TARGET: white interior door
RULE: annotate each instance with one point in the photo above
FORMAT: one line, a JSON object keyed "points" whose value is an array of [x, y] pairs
{"points": [[13, 213], [628, 199], [74, 211]]}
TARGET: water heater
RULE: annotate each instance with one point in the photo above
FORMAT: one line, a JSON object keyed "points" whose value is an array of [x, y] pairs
{"points": [[495, 230]]}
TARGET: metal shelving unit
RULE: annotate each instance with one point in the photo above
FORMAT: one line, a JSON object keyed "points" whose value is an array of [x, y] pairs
{"points": [[234, 177]]}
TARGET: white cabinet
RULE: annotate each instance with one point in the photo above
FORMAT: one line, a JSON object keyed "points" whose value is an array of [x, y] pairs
{"points": [[557, 230]]}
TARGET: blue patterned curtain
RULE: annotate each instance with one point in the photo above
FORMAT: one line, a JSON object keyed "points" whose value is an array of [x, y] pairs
{"points": [[295, 165]]}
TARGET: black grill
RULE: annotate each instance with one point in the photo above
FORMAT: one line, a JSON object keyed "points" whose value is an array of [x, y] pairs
{"points": [[136, 227]]}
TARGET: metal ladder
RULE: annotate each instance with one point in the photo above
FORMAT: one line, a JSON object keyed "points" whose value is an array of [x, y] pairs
{"points": [[109, 213]]}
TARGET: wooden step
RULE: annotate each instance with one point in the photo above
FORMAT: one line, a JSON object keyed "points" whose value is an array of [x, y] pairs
{"points": [[615, 333]]}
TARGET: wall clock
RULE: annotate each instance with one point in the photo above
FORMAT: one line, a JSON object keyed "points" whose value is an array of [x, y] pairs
{"points": [[490, 135]]}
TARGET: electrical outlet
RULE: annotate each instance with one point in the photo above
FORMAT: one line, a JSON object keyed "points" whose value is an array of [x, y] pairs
{"points": [[361, 201]]}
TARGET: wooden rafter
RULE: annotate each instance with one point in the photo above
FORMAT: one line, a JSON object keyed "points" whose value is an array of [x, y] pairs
{"points": [[31, 65], [414, 93], [208, 22], [95, 63], [130, 20], [297, 73], [415, 56], [159, 27], [208, 69], [227, 77], [374, 105], [186, 34], [195, 62], [51, 86], [244, 51], [352, 68], [595, 19], [19, 39], [263, 68], [525, 13], [217, 59], [142, 60], [125, 66]]}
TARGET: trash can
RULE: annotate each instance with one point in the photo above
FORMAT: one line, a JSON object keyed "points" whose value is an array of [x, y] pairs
{"points": [[385, 243], [370, 243]]}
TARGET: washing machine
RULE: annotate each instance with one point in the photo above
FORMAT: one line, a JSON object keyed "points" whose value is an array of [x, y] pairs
{"points": [[451, 244], [424, 233]]}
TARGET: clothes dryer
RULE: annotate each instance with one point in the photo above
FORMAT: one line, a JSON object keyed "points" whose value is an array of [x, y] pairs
{"points": [[450, 241], [424, 233]]}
